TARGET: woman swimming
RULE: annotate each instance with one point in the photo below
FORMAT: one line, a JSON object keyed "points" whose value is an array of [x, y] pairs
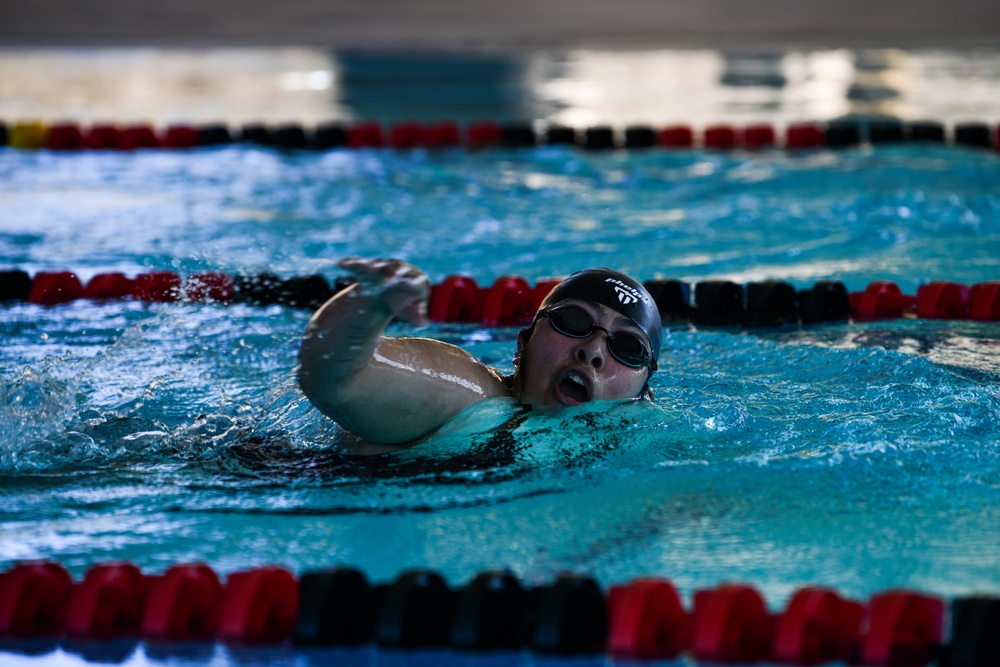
{"points": [[595, 337]]}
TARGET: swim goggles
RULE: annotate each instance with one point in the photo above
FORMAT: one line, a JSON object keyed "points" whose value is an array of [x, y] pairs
{"points": [[576, 322]]}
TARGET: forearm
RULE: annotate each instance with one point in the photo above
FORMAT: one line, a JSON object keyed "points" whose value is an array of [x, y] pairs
{"points": [[340, 340]]}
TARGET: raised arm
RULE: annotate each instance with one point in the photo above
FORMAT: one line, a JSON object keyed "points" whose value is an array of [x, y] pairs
{"points": [[387, 390]]}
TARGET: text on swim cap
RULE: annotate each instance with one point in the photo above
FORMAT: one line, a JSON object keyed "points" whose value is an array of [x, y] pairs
{"points": [[627, 295]]}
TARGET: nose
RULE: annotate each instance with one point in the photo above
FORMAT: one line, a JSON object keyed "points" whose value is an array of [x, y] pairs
{"points": [[591, 350]]}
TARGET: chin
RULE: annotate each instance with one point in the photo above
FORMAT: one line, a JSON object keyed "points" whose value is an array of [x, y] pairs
{"points": [[546, 404]]}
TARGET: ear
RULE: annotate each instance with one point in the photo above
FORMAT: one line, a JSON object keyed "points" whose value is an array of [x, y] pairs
{"points": [[646, 393]]}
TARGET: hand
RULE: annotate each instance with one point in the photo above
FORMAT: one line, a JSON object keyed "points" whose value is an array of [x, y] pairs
{"points": [[402, 287]]}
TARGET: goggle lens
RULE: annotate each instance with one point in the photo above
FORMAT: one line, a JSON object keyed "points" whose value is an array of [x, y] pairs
{"points": [[626, 347]]}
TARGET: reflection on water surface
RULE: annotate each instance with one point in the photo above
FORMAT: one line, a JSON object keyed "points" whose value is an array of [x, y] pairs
{"points": [[576, 88]]}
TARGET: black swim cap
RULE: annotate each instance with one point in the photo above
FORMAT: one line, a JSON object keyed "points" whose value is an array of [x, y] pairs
{"points": [[619, 293]]}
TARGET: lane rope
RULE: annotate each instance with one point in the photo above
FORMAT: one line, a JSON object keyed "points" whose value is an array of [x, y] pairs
{"points": [[642, 619], [69, 136], [513, 301]]}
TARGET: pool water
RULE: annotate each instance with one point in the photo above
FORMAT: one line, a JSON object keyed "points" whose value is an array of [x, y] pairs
{"points": [[861, 456]]}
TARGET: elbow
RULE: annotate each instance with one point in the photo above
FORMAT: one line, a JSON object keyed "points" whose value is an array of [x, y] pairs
{"points": [[305, 382], [305, 369], [325, 394], [311, 384], [311, 369]]}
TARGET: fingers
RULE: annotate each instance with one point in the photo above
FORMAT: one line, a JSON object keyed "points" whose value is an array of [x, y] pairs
{"points": [[415, 312], [393, 269], [352, 263], [402, 287], [362, 267]]}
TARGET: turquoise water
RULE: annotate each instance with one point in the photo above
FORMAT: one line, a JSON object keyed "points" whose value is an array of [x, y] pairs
{"points": [[857, 456]]}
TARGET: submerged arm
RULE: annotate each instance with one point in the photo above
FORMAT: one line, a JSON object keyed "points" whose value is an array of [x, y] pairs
{"points": [[386, 390]]}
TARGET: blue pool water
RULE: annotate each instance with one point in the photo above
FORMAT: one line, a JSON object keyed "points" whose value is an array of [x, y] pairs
{"points": [[861, 456]]}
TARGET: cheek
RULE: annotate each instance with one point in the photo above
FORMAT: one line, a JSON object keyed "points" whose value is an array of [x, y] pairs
{"points": [[624, 383], [545, 351], [540, 357]]}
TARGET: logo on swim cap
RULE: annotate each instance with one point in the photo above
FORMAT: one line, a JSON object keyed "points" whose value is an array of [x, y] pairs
{"points": [[624, 296], [627, 295]]}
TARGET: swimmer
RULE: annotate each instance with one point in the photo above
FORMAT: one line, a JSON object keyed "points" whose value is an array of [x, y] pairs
{"points": [[595, 337]]}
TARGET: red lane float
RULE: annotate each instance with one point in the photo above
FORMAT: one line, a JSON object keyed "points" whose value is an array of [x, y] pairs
{"points": [[984, 302], [260, 606], [723, 137], [108, 286], [184, 605], [455, 299], [731, 624], [818, 626], [484, 134], [208, 287], [441, 135], [64, 137], [108, 603], [158, 287], [33, 600], [508, 302], [677, 136], [803, 135], [135, 137], [905, 629], [49, 289], [647, 621], [179, 137], [405, 135], [881, 300], [758, 136], [366, 135], [943, 300], [935, 300], [102, 137], [409, 134]]}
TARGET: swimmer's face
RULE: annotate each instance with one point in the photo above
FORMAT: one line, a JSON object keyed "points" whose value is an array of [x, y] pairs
{"points": [[558, 370]]}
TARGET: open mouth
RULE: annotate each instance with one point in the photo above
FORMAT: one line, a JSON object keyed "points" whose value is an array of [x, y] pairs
{"points": [[573, 389]]}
